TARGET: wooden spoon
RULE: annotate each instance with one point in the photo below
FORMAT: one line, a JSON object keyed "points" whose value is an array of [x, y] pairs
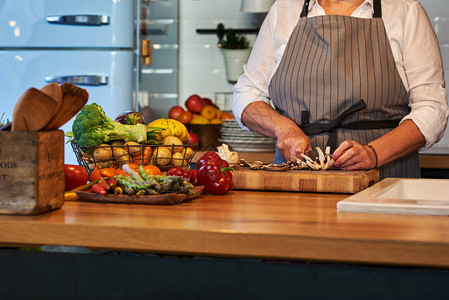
{"points": [[73, 100], [54, 90], [33, 110]]}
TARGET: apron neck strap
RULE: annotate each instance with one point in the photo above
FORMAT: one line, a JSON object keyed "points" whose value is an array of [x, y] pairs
{"points": [[305, 9], [377, 9]]}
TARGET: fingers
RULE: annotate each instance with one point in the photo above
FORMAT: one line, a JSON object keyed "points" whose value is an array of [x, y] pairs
{"points": [[344, 146], [351, 155], [293, 146], [290, 149]]}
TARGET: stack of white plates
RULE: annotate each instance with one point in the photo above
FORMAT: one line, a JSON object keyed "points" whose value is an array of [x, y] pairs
{"points": [[244, 141]]}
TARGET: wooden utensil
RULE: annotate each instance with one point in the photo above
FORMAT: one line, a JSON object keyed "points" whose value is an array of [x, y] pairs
{"points": [[73, 100], [54, 90], [33, 110]]}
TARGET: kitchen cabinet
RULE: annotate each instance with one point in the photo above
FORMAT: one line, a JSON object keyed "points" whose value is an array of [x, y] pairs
{"points": [[435, 163]]}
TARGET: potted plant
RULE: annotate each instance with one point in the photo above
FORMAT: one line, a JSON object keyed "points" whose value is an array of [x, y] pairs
{"points": [[236, 52]]}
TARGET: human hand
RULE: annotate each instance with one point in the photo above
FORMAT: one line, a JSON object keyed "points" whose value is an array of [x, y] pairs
{"points": [[292, 141], [351, 155]]}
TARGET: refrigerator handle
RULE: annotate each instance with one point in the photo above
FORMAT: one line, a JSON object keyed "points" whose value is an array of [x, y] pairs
{"points": [[85, 20], [79, 79]]}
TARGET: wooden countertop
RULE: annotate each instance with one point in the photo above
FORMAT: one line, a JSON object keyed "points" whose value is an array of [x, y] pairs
{"points": [[272, 225], [434, 161]]}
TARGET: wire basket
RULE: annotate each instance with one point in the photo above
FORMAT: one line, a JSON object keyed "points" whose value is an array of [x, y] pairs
{"points": [[162, 156]]}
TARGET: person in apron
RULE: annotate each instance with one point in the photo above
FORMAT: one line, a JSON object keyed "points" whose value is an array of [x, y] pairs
{"points": [[337, 83]]}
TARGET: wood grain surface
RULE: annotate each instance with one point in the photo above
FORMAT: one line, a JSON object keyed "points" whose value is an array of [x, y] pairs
{"points": [[434, 161], [31, 171], [328, 181], [255, 224]]}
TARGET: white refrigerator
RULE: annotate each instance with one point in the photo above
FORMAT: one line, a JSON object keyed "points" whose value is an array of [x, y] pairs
{"points": [[89, 43]]}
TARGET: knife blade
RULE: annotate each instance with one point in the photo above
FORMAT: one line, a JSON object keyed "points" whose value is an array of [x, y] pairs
{"points": [[312, 154]]}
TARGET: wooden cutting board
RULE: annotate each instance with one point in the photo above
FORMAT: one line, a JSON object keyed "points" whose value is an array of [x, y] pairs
{"points": [[329, 181]]}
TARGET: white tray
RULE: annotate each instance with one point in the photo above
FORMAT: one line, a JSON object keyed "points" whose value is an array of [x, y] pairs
{"points": [[401, 196]]}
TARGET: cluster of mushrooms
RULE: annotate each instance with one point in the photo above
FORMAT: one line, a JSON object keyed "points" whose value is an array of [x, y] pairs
{"points": [[323, 161]]}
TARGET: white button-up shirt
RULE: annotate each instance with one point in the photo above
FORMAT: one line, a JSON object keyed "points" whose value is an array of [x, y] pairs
{"points": [[412, 40]]}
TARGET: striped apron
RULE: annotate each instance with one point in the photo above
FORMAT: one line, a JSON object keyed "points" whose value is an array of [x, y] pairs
{"points": [[338, 81]]}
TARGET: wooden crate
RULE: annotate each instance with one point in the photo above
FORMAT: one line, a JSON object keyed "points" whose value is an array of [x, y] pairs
{"points": [[31, 172]]}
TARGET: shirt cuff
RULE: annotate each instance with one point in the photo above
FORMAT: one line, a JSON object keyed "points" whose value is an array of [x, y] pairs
{"points": [[432, 131]]}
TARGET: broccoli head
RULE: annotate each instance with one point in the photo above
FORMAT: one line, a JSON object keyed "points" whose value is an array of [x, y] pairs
{"points": [[92, 127]]}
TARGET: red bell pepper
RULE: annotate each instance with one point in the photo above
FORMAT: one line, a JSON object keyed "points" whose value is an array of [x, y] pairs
{"points": [[176, 171], [98, 189], [210, 155], [214, 173], [193, 177], [189, 176]]}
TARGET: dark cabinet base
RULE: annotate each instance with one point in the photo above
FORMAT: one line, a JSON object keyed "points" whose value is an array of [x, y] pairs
{"points": [[112, 275]]}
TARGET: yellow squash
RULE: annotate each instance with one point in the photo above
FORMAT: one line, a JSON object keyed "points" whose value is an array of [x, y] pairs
{"points": [[171, 127]]}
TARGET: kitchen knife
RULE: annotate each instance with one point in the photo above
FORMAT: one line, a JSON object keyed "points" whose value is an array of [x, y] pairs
{"points": [[312, 154]]}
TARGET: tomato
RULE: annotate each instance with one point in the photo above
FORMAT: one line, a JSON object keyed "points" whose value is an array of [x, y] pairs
{"points": [[120, 172], [75, 176], [152, 170], [107, 172], [95, 175], [135, 167]]}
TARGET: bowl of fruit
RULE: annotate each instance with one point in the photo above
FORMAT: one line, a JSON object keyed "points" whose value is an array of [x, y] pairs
{"points": [[202, 118]]}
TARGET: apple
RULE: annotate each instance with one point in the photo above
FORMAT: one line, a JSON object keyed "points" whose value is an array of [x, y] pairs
{"points": [[185, 117], [194, 138], [207, 101], [175, 112], [194, 104]]}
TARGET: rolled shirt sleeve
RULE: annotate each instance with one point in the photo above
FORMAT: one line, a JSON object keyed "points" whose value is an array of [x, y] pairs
{"points": [[424, 72]]}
